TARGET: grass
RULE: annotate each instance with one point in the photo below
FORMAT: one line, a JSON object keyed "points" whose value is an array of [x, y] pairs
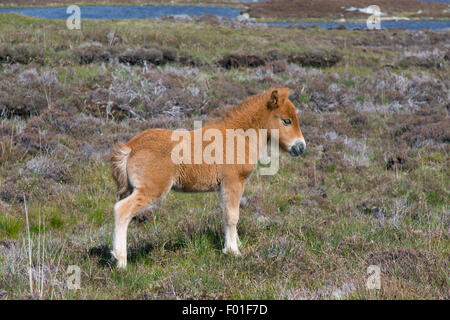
{"points": [[309, 232]]}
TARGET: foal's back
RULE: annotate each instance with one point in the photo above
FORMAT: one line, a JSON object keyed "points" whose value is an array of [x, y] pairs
{"points": [[150, 165]]}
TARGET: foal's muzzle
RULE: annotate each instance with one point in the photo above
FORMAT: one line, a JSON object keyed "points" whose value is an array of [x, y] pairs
{"points": [[297, 148]]}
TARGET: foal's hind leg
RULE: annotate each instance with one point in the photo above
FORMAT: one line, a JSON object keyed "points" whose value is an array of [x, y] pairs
{"points": [[124, 210], [231, 196]]}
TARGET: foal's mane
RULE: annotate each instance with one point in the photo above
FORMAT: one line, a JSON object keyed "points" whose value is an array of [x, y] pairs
{"points": [[244, 106], [253, 103]]}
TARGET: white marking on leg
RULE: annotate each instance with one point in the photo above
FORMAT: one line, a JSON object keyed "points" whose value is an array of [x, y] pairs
{"points": [[231, 237], [230, 219], [120, 236]]}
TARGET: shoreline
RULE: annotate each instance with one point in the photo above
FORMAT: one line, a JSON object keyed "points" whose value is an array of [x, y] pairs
{"points": [[251, 19], [245, 8]]}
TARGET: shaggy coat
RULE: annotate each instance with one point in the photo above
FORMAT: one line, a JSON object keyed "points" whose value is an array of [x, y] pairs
{"points": [[144, 170]]}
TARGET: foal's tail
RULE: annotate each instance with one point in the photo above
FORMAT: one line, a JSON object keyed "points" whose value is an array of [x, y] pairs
{"points": [[119, 158]]}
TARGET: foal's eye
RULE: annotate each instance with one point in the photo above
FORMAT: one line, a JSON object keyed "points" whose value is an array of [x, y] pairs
{"points": [[286, 122]]}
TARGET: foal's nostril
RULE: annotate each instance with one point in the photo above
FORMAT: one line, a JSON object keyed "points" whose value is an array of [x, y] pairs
{"points": [[300, 148], [297, 149]]}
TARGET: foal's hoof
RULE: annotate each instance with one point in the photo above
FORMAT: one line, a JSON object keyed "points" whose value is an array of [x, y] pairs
{"points": [[234, 252], [121, 263]]}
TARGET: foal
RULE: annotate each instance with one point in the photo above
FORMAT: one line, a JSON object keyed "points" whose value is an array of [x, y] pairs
{"points": [[144, 167]]}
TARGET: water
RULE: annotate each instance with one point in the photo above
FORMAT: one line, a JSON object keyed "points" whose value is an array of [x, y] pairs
{"points": [[126, 12], [142, 12], [402, 24]]}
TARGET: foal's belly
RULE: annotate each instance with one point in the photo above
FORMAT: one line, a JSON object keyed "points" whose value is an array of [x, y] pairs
{"points": [[195, 188], [197, 178]]}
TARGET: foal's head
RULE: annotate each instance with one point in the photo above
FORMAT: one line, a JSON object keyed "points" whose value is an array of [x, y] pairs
{"points": [[283, 116]]}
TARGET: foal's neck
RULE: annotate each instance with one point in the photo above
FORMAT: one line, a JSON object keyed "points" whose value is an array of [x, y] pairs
{"points": [[251, 117]]}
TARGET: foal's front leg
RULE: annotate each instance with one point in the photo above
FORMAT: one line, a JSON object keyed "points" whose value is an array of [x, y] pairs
{"points": [[231, 196]]}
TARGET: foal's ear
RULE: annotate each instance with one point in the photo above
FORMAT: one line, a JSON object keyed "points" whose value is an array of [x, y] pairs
{"points": [[273, 101]]}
